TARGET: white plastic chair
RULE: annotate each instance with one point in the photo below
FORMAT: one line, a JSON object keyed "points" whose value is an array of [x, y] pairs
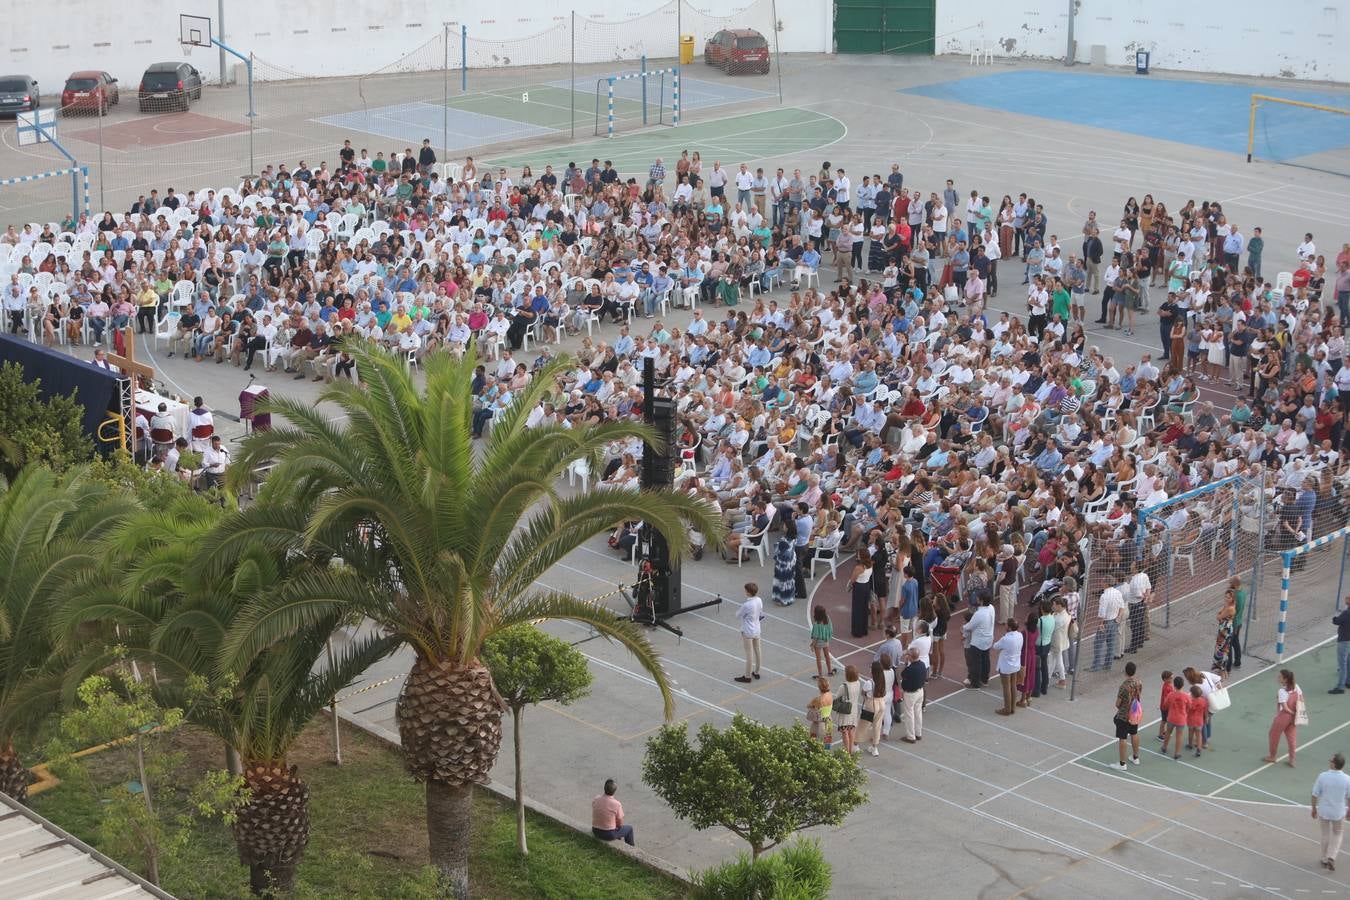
{"points": [[827, 552], [756, 542]]}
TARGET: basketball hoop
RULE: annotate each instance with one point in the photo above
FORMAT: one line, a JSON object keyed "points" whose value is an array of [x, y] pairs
{"points": [[193, 31], [187, 48]]}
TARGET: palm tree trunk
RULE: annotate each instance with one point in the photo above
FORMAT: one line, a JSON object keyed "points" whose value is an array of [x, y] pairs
{"points": [[233, 764], [13, 774], [333, 711], [449, 807], [272, 829], [517, 714]]}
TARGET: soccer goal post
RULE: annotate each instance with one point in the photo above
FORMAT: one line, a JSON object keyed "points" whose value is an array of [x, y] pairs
{"points": [[1339, 538], [1275, 125], [647, 95]]}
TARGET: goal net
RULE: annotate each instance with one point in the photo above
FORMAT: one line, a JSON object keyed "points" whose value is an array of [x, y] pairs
{"points": [[633, 99], [1299, 133]]}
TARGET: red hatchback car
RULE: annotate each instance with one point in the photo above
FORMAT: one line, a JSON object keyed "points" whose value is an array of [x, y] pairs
{"points": [[741, 51], [91, 91]]}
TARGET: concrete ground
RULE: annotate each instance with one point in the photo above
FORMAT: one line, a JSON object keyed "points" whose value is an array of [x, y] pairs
{"points": [[985, 806]]}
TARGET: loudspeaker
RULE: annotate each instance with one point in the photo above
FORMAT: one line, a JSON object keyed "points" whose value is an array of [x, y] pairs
{"points": [[658, 466]]}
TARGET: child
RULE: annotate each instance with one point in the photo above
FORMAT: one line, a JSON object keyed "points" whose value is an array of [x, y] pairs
{"points": [[1178, 711], [821, 632], [1195, 716], [819, 709], [1162, 706]]}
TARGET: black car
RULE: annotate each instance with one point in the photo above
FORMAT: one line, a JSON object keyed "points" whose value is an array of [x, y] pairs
{"points": [[169, 85], [18, 93]]}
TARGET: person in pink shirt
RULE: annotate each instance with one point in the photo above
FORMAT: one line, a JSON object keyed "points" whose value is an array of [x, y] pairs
{"points": [[607, 816], [1196, 711]]}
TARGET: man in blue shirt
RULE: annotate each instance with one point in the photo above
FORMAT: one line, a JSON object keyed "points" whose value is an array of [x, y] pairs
{"points": [[1049, 459], [909, 604]]}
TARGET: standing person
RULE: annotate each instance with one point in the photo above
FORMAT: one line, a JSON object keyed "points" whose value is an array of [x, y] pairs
{"points": [[818, 712], [877, 702], [750, 615], [1331, 807], [1287, 702], [1030, 674], [1197, 715], [912, 680], [977, 636], [1223, 639], [1009, 649], [1234, 660], [1110, 612], [1007, 582], [850, 695], [1255, 247], [821, 633], [1140, 594], [784, 572], [1059, 642], [881, 577], [1167, 690], [1342, 622], [909, 604], [1178, 709], [1208, 683], [1129, 713], [607, 816], [1045, 634], [860, 581], [942, 613]]}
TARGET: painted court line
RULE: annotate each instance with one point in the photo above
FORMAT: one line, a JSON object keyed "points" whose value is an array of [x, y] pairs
{"points": [[1282, 756]]}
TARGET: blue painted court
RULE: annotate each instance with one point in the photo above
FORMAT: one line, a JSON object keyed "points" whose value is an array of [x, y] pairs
{"points": [[1202, 114]]}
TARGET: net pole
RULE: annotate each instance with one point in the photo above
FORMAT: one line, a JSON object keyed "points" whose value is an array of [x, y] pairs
{"points": [[777, 54], [1340, 579], [609, 99], [1251, 129], [445, 95], [676, 97], [572, 86], [464, 58], [1286, 560], [102, 203], [644, 89], [1078, 617]]}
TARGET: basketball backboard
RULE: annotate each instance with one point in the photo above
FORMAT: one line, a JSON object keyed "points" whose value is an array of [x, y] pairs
{"points": [[27, 126], [194, 31]]}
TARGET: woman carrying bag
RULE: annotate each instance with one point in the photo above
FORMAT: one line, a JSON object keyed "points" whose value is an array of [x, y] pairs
{"points": [[1289, 714], [847, 708]]}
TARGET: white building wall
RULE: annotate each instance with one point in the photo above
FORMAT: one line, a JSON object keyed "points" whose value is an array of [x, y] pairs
{"points": [[1295, 39], [320, 37]]}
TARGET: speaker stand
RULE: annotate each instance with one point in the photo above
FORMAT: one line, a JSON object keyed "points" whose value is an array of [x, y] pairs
{"points": [[643, 612]]}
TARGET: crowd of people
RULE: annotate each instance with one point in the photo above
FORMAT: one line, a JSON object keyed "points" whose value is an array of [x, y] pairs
{"points": [[885, 409]]}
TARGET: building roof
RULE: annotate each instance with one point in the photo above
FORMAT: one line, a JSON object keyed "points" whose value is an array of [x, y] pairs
{"points": [[39, 860]]}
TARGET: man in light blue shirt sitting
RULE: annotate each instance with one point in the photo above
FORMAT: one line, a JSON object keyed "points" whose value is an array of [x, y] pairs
{"points": [[1050, 459]]}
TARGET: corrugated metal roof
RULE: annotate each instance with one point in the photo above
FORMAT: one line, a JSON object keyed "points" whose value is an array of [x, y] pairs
{"points": [[39, 860]]}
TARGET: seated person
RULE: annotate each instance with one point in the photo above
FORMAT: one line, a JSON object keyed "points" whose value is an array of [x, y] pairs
{"points": [[607, 816]]}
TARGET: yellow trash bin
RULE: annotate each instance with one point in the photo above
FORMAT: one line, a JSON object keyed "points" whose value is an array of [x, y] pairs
{"points": [[686, 49]]}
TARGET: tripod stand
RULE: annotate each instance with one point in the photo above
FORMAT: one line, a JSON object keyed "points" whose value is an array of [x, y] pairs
{"points": [[642, 608]]}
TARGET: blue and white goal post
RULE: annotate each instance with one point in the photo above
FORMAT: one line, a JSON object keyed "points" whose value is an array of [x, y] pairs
{"points": [[1340, 536], [645, 78], [24, 193]]}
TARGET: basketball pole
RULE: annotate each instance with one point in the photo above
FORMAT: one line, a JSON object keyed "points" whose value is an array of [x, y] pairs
{"points": [[1251, 129], [220, 16], [572, 115], [445, 96]]}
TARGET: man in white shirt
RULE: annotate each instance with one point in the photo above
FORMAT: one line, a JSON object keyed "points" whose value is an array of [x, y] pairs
{"points": [[1009, 649], [1110, 612], [1330, 794], [978, 636], [1140, 594], [749, 616], [214, 462]]}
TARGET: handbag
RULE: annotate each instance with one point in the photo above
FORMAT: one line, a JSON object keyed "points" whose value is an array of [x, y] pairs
{"points": [[842, 704], [866, 715], [1301, 711], [1219, 699]]}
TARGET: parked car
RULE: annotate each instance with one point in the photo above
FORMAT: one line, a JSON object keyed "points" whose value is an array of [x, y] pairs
{"points": [[169, 85], [89, 91], [18, 93], [740, 51]]}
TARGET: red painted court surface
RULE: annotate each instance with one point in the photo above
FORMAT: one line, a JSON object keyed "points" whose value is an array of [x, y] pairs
{"points": [[160, 131]]}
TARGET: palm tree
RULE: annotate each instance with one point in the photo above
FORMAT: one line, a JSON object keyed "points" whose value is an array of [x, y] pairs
{"points": [[444, 545], [166, 614], [50, 532]]}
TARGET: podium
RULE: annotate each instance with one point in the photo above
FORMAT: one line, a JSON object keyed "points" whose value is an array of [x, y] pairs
{"points": [[249, 398]]}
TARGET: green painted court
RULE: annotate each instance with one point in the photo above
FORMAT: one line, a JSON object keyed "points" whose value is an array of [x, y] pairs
{"points": [[762, 135], [1233, 770]]}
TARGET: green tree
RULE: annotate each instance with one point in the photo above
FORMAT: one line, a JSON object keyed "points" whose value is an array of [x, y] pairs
{"points": [[529, 666], [50, 432], [120, 710], [51, 529], [158, 605], [761, 782], [444, 540]]}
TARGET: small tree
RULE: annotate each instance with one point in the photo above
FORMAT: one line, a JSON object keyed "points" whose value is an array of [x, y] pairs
{"points": [[121, 711], [761, 782], [50, 431], [529, 666]]}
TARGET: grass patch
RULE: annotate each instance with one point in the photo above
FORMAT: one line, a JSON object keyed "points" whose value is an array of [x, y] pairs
{"points": [[368, 836]]}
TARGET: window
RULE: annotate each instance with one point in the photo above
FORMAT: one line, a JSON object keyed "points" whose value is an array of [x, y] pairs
{"points": [[81, 84], [751, 43], [13, 86]]}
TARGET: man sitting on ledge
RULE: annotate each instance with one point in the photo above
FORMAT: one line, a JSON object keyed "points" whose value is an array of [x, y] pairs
{"points": [[607, 816]]}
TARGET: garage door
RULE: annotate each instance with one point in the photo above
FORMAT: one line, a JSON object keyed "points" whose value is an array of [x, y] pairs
{"points": [[884, 26]]}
